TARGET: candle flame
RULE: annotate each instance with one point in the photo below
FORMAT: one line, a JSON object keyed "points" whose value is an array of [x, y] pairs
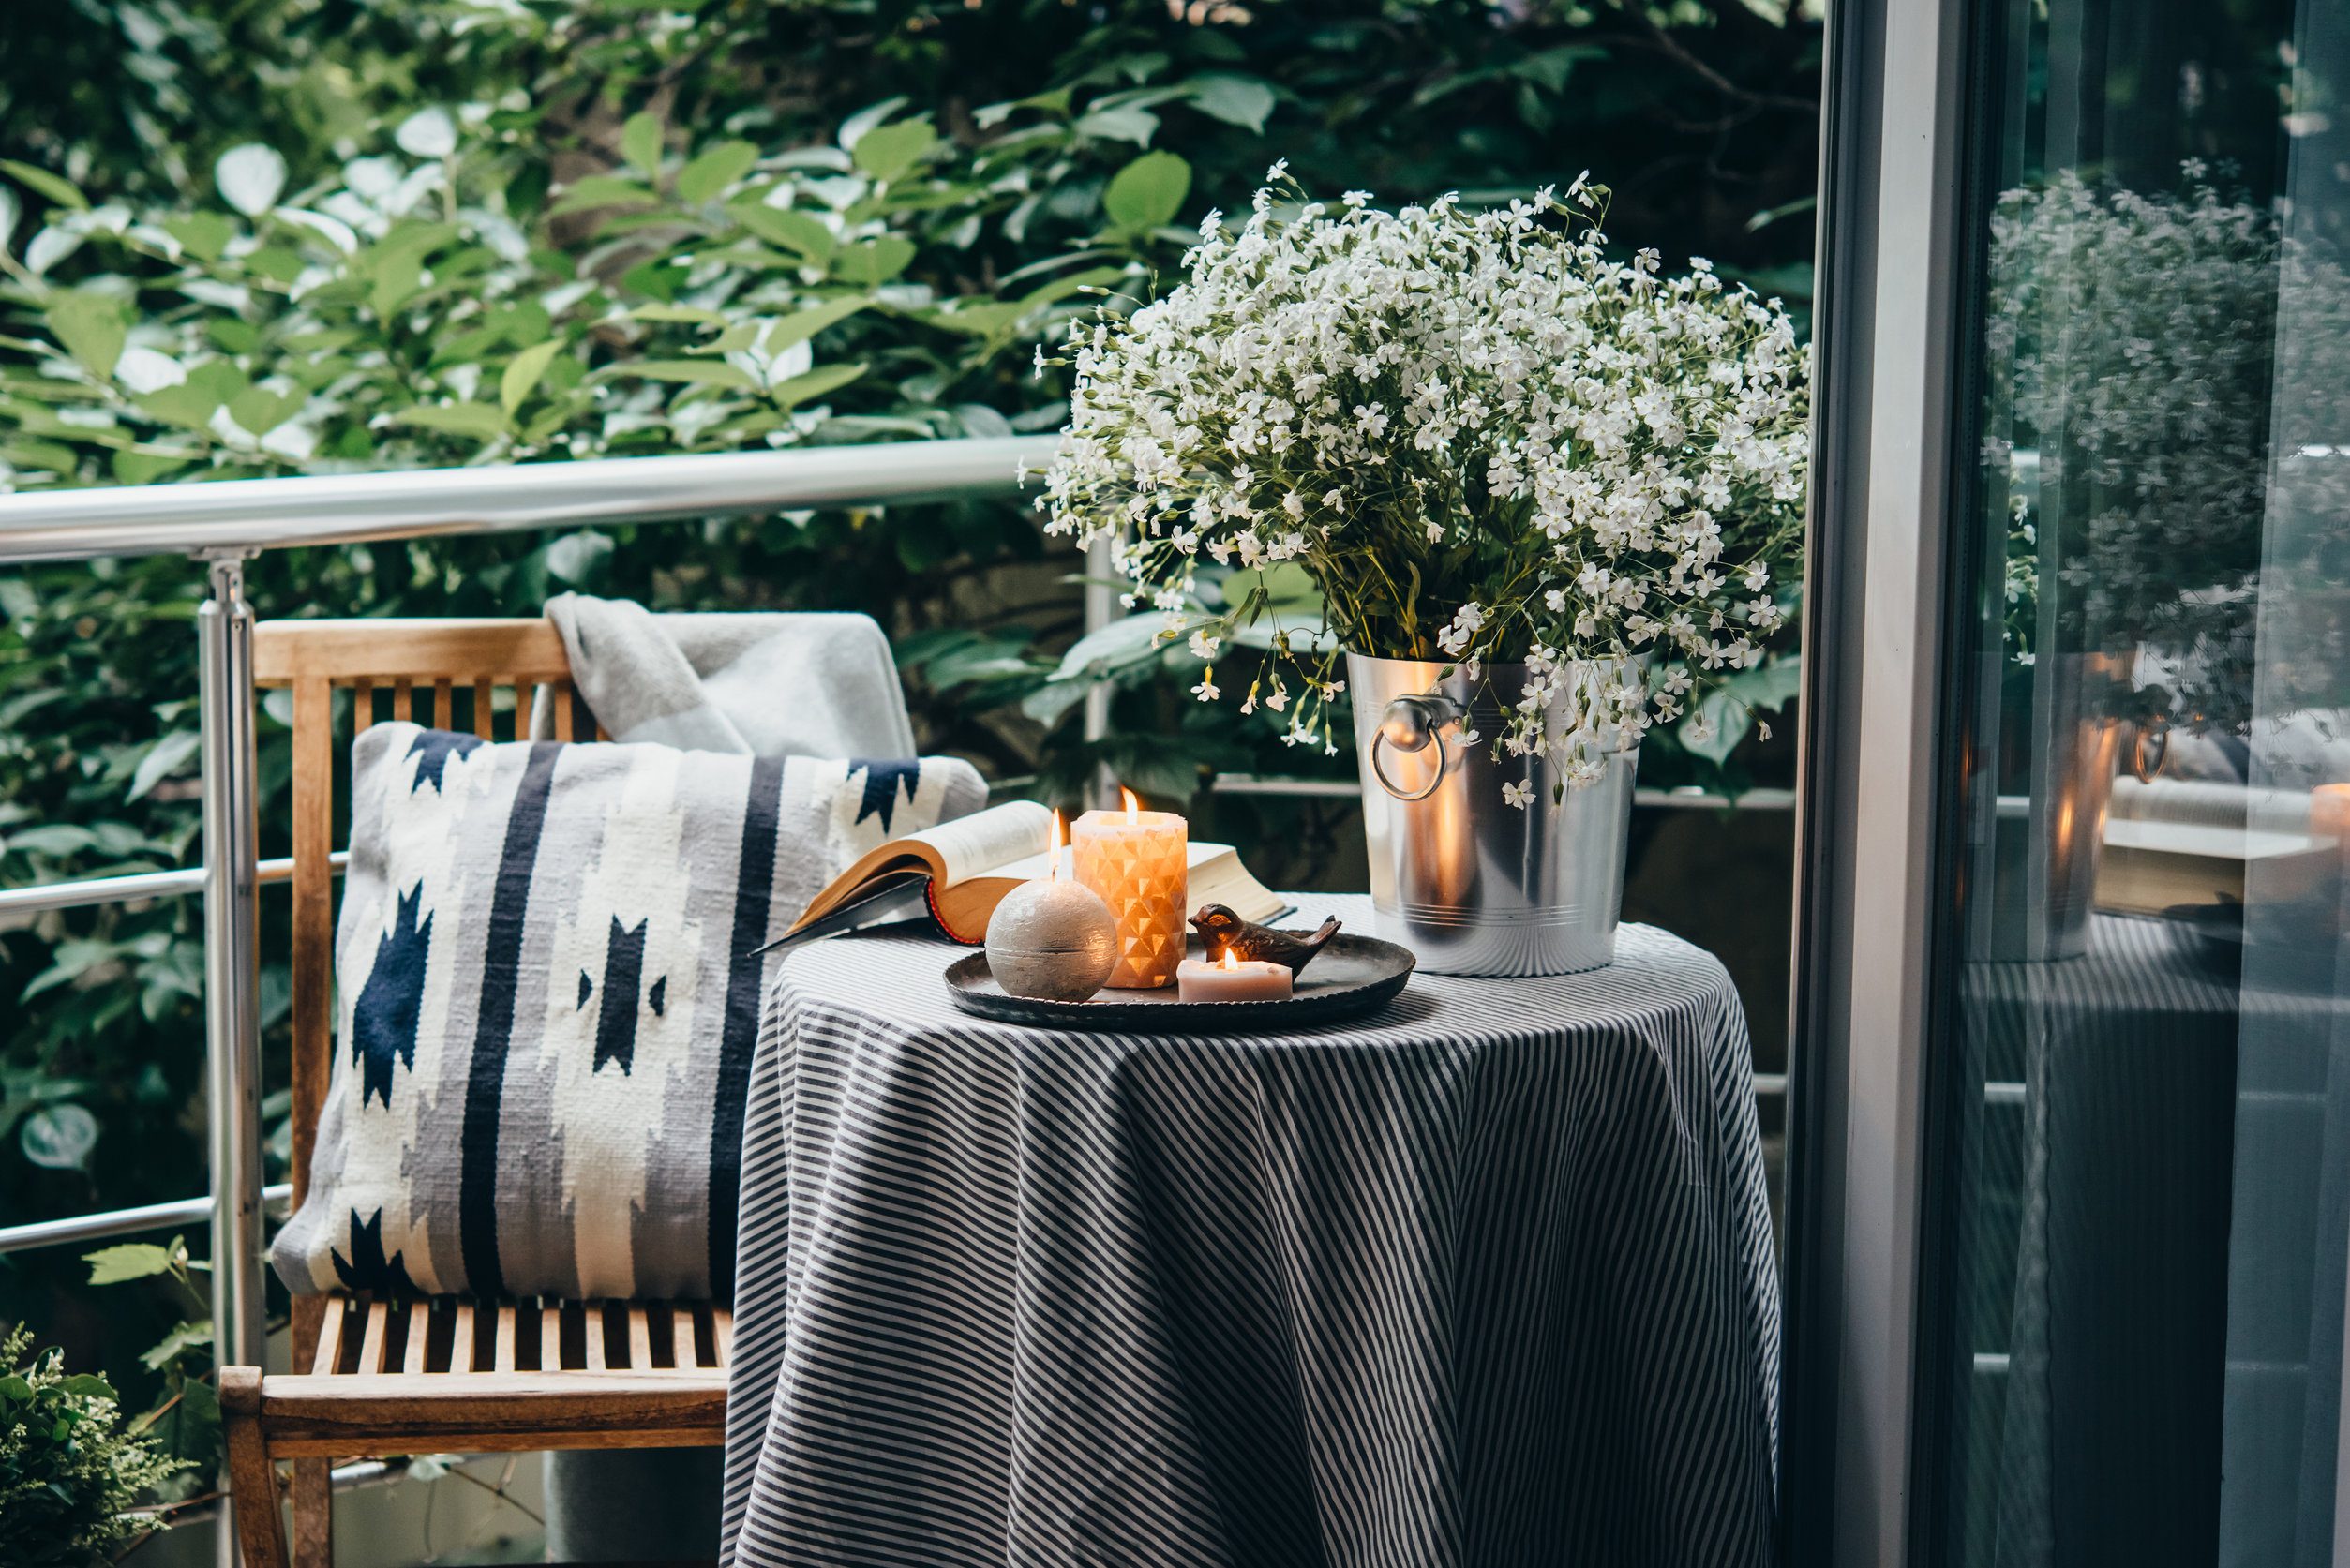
{"points": [[1133, 806], [1230, 962], [1055, 873]]}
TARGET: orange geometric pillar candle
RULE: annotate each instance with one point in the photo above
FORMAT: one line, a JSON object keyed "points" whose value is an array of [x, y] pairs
{"points": [[1136, 860]]}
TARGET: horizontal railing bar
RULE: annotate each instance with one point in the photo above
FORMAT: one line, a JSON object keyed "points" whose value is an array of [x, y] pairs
{"points": [[349, 508], [1768, 1083], [1275, 783], [121, 1222], [130, 890], [1267, 783]]}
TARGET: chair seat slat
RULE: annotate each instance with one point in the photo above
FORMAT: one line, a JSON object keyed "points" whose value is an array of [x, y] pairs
{"points": [[419, 1329], [461, 1342], [371, 1341], [330, 1339]]}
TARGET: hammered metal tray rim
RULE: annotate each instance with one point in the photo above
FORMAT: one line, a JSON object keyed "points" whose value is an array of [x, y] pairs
{"points": [[970, 985]]}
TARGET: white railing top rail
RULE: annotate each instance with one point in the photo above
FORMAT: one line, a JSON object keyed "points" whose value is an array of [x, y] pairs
{"points": [[245, 514]]}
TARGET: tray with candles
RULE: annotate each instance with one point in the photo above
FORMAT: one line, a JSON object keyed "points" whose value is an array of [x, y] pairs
{"points": [[1234, 975], [1104, 946]]}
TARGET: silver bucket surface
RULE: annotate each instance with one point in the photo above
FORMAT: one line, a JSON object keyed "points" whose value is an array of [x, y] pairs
{"points": [[1470, 884]]}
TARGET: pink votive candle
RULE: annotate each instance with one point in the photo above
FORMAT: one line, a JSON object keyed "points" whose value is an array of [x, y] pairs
{"points": [[1138, 861], [1199, 979]]}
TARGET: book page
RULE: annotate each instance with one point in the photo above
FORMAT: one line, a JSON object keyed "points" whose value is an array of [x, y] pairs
{"points": [[972, 846]]}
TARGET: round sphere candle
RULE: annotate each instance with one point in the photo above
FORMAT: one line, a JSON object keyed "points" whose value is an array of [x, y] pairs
{"points": [[1051, 940], [1137, 861], [1232, 979]]}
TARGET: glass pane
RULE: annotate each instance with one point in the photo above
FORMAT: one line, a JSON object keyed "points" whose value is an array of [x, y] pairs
{"points": [[2142, 1083]]}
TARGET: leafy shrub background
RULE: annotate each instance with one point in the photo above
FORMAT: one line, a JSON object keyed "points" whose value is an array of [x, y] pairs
{"points": [[528, 231]]}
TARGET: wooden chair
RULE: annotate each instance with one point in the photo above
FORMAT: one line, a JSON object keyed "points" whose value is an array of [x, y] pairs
{"points": [[379, 1377]]}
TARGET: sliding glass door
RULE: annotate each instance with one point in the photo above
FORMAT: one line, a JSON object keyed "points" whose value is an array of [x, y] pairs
{"points": [[2135, 1201]]}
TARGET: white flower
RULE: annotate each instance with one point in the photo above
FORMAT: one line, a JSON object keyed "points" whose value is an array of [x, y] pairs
{"points": [[1435, 534], [1202, 646], [1206, 690], [1519, 795]]}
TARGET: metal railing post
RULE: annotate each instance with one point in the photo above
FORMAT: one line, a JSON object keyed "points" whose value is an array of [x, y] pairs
{"points": [[1102, 602], [224, 630]]}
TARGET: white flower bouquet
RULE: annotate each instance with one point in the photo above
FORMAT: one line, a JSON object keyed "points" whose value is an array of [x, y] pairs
{"points": [[1484, 440]]}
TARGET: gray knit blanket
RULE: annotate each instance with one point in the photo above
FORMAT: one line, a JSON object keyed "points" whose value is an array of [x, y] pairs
{"points": [[755, 685]]}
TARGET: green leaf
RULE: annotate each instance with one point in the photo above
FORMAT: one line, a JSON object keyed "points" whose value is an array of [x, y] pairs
{"points": [[816, 383], [191, 1429], [203, 236], [261, 410], [185, 1337], [523, 376], [1147, 192], [142, 468], [477, 420], [677, 313], [657, 278], [890, 152], [715, 169], [873, 263], [802, 324], [1137, 126], [191, 403], [602, 190], [164, 757], [1237, 100], [55, 186], [640, 142], [112, 1265], [397, 263], [88, 1386], [717, 372], [980, 320], [92, 328], [13, 1386], [735, 338], [794, 231]]}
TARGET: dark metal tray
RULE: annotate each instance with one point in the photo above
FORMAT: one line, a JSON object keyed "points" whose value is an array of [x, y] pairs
{"points": [[1352, 974]]}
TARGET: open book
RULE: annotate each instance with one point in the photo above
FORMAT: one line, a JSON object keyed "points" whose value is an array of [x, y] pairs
{"points": [[963, 869]]}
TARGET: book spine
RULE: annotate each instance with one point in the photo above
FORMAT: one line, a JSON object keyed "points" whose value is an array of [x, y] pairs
{"points": [[938, 919]]}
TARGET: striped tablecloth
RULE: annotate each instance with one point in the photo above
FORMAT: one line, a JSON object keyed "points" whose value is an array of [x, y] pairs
{"points": [[1484, 1278]]}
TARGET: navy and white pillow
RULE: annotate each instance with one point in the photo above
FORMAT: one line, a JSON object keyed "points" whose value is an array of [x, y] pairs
{"points": [[547, 992]]}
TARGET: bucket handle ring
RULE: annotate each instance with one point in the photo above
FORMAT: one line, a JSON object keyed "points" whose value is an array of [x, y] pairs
{"points": [[1409, 724]]}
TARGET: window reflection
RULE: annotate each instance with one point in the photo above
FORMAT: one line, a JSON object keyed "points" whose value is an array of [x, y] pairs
{"points": [[2144, 1205]]}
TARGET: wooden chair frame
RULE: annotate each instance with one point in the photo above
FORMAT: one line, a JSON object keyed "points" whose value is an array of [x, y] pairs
{"points": [[374, 1378]]}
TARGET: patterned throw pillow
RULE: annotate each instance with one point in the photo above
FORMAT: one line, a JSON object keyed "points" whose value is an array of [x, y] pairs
{"points": [[547, 989]]}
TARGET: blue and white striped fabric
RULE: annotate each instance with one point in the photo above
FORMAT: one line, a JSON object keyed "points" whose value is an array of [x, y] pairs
{"points": [[1484, 1278]]}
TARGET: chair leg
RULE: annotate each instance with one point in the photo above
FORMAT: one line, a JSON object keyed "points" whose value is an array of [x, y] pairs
{"points": [[313, 1516], [252, 1479]]}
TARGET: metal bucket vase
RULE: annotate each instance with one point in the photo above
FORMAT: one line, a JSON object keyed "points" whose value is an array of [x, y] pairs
{"points": [[2042, 861], [1470, 884]]}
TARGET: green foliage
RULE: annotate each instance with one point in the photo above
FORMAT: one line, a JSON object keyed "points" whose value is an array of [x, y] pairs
{"points": [[69, 1471]]}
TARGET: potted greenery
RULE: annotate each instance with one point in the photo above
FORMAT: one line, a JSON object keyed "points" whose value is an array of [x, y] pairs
{"points": [[1543, 494], [69, 1471]]}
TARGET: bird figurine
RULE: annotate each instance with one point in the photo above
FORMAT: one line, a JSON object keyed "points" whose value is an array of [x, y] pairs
{"points": [[1225, 931]]}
